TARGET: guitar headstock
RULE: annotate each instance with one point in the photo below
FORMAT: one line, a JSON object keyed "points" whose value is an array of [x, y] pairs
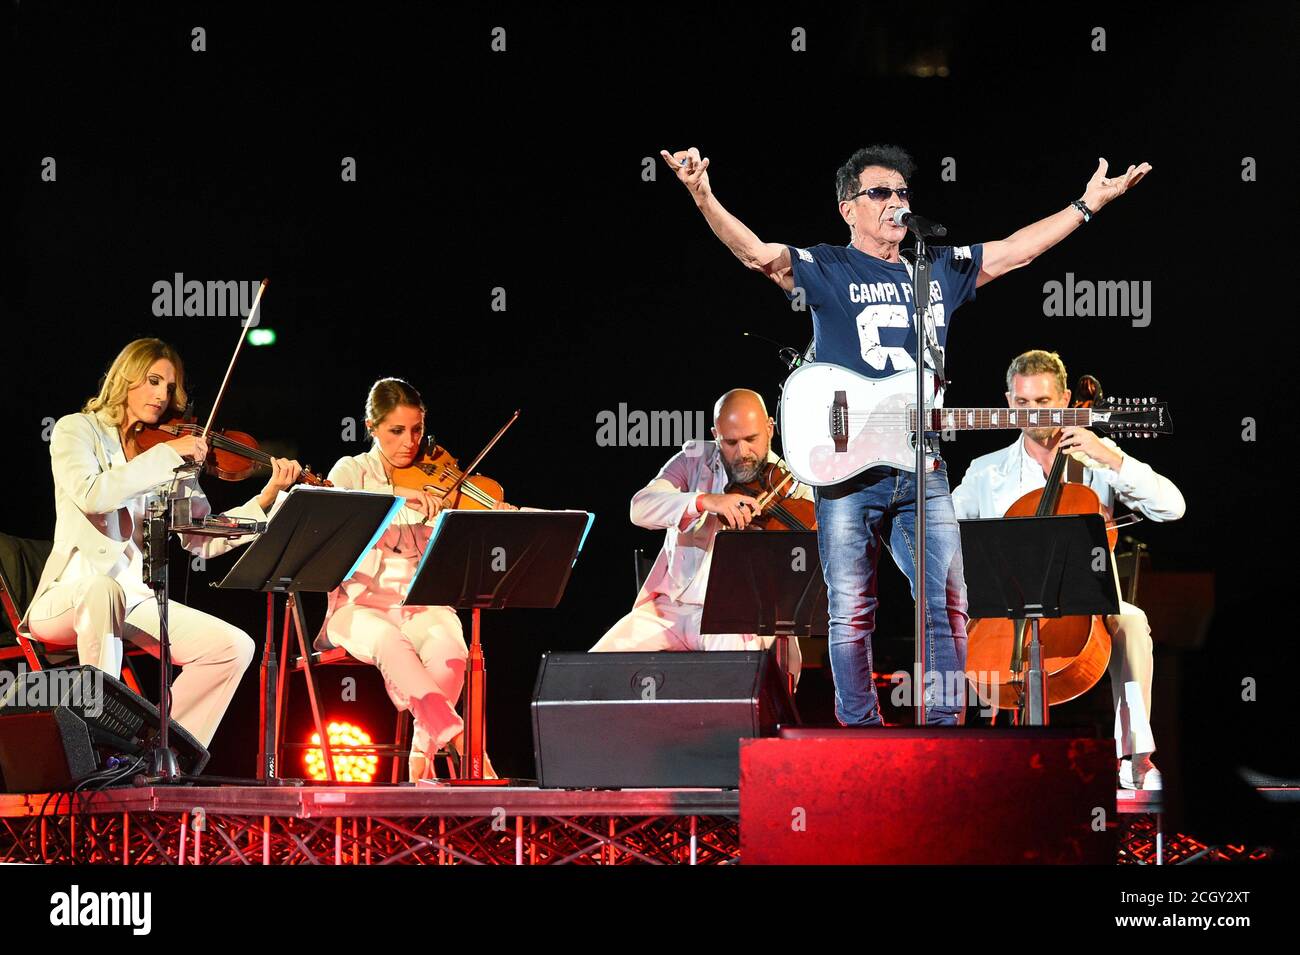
{"points": [[1132, 417]]}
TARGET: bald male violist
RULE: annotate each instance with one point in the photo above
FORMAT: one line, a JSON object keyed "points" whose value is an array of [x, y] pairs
{"points": [[687, 500]]}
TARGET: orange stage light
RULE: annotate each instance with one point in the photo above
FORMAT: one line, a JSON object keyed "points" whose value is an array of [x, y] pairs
{"points": [[348, 767]]}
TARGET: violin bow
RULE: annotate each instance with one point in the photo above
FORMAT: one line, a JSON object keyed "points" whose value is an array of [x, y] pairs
{"points": [[233, 358], [767, 497], [481, 455]]}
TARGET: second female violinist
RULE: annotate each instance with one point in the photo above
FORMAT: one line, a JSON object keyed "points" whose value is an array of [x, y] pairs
{"points": [[420, 651], [689, 501]]}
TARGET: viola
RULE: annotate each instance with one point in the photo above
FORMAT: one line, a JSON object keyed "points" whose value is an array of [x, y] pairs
{"points": [[438, 473], [232, 455], [773, 488]]}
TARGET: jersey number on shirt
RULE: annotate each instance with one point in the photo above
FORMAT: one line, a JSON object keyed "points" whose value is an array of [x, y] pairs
{"points": [[875, 317]]}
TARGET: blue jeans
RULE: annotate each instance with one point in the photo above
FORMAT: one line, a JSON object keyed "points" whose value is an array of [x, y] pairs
{"points": [[854, 518]]}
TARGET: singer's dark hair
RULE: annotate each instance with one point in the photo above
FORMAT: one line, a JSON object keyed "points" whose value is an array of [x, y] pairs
{"points": [[848, 179]]}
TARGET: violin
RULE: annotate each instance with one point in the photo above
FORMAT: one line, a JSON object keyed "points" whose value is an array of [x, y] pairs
{"points": [[232, 455], [1076, 649], [438, 473], [773, 489]]}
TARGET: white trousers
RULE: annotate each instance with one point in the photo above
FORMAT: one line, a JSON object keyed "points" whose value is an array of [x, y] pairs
{"points": [[1130, 669], [90, 614], [665, 624], [422, 658]]}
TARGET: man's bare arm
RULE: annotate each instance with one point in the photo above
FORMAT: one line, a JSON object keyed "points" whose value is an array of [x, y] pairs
{"points": [[1024, 245], [770, 258]]}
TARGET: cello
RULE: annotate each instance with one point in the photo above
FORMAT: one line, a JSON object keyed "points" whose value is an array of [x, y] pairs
{"points": [[1076, 650]]}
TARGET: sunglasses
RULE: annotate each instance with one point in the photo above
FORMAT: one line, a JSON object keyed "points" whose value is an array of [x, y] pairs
{"points": [[881, 193]]}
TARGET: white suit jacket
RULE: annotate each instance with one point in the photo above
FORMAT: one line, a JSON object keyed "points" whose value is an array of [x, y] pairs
{"points": [[994, 481], [94, 483], [681, 570], [365, 472]]}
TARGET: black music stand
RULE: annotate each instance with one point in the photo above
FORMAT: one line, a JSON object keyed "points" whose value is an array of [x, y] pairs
{"points": [[767, 583], [1029, 568], [494, 560], [313, 543]]}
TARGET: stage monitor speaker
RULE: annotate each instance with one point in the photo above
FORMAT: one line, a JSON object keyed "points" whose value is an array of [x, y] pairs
{"points": [[58, 726], [653, 720]]}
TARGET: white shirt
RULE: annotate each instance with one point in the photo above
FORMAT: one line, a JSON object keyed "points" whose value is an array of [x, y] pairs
{"points": [[681, 572], [383, 577], [128, 570], [995, 481]]}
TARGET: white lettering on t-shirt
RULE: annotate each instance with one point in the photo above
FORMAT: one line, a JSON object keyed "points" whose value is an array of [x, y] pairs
{"points": [[875, 317], [866, 293]]}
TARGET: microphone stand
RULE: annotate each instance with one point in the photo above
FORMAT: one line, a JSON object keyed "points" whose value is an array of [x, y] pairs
{"points": [[920, 298], [162, 762]]}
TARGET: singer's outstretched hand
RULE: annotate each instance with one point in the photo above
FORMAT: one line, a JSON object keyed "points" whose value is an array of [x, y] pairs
{"points": [[690, 169], [1101, 190], [1024, 245]]}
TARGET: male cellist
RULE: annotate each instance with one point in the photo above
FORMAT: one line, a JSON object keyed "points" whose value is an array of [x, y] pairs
{"points": [[993, 482]]}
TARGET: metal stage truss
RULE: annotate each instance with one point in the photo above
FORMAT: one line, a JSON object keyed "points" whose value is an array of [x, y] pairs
{"points": [[373, 825], [437, 825]]}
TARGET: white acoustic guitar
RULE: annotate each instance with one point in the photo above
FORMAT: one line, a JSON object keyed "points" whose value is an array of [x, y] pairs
{"points": [[836, 423]]}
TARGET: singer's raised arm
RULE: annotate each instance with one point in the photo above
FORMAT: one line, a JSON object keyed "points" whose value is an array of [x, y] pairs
{"points": [[1024, 245], [770, 258]]}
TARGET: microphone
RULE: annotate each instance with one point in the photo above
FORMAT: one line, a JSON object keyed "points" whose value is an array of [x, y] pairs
{"points": [[919, 225]]}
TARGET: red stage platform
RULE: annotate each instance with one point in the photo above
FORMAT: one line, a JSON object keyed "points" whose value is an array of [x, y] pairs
{"points": [[928, 796]]}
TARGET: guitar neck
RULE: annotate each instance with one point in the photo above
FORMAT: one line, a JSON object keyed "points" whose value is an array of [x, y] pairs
{"points": [[994, 419]]}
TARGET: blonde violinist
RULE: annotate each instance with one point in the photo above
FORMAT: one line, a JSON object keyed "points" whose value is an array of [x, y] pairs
{"points": [[92, 593]]}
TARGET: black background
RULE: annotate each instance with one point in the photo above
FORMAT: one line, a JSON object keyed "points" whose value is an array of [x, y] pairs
{"points": [[523, 170]]}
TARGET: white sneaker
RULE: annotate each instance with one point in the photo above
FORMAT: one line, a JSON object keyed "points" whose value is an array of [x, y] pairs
{"points": [[1151, 780]]}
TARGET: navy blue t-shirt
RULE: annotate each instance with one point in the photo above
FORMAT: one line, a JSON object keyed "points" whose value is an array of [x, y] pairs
{"points": [[862, 306]]}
